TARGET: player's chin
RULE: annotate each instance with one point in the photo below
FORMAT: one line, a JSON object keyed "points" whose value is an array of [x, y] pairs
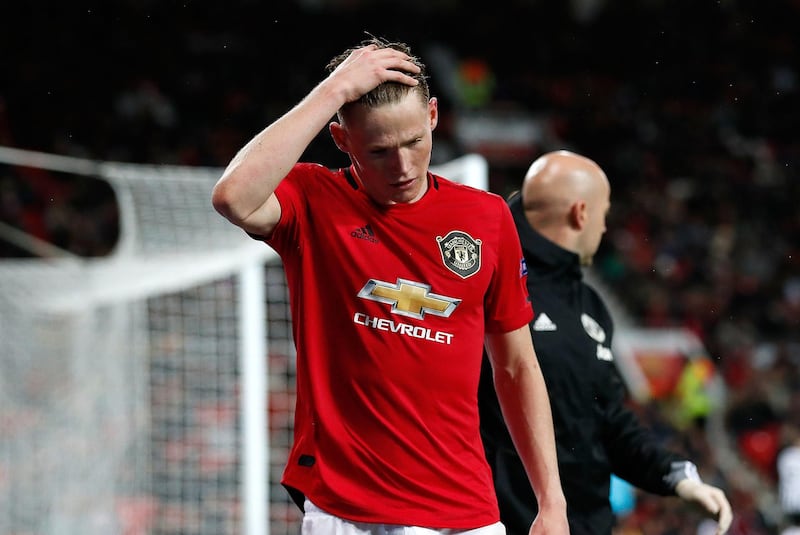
{"points": [[407, 191]]}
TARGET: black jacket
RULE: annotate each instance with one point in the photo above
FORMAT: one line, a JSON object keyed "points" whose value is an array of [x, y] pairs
{"points": [[596, 435]]}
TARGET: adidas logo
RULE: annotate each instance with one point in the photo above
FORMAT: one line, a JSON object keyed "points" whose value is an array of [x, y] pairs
{"points": [[544, 323], [364, 233]]}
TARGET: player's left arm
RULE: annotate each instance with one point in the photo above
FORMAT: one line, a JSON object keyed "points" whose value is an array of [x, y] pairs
{"points": [[526, 408]]}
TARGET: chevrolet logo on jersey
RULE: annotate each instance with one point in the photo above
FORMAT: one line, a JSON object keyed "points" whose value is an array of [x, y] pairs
{"points": [[409, 298]]}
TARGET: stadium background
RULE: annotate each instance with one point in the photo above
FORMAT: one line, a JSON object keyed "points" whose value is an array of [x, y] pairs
{"points": [[690, 106]]}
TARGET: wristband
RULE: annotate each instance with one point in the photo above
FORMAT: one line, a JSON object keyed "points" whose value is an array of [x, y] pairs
{"points": [[680, 470]]}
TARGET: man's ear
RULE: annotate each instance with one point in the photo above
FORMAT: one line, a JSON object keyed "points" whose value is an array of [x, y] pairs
{"points": [[339, 136], [578, 215], [433, 112]]}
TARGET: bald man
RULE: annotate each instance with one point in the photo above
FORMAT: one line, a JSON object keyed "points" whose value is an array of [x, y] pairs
{"points": [[560, 215]]}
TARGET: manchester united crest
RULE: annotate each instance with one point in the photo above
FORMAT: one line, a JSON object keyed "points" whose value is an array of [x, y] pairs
{"points": [[461, 253]]}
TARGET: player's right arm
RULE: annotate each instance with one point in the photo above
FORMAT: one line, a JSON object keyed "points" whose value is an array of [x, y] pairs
{"points": [[245, 192]]}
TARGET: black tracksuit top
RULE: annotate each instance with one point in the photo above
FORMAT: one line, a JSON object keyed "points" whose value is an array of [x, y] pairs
{"points": [[596, 434]]}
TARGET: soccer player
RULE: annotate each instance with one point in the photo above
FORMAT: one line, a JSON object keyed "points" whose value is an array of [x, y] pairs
{"points": [[396, 278], [560, 215]]}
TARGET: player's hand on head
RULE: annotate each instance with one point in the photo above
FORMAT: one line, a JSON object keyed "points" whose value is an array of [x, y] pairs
{"points": [[368, 67], [711, 498]]}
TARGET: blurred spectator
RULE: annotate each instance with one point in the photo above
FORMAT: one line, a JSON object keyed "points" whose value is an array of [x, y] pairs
{"points": [[788, 468]]}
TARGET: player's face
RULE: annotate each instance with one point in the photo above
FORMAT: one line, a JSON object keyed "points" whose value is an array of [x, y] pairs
{"points": [[390, 147]]}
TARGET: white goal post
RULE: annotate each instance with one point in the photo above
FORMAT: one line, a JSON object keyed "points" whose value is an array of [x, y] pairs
{"points": [[150, 391]]}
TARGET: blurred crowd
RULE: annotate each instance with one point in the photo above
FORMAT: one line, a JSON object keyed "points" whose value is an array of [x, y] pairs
{"points": [[690, 106]]}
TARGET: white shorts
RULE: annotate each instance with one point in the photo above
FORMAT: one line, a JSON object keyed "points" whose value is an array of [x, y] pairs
{"points": [[318, 522]]}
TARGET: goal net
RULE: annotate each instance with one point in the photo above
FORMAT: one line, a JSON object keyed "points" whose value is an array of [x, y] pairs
{"points": [[150, 391]]}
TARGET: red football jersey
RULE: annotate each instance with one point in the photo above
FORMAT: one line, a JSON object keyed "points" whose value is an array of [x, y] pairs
{"points": [[389, 308]]}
